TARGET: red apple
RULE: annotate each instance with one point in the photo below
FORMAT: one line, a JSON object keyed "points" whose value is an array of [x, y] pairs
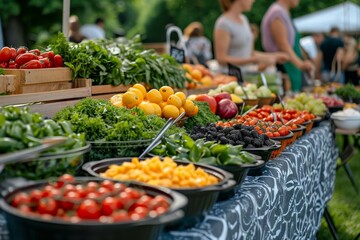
{"points": [[220, 96], [210, 100], [227, 109]]}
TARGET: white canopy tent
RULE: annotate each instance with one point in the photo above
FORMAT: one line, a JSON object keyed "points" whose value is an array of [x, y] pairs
{"points": [[345, 16]]}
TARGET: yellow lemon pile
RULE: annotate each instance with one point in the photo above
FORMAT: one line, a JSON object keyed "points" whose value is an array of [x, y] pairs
{"points": [[164, 102]]}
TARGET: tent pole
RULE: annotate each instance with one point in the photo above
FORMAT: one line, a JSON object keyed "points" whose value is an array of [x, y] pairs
{"points": [[66, 16]]}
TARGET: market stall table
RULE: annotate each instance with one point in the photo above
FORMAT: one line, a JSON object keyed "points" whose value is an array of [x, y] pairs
{"points": [[286, 202]]}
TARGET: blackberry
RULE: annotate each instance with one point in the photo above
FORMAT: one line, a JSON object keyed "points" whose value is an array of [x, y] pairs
{"points": [[209, 138], [226, 130], [254, 134], [232, 137], [219, 128], [235, 132], [257, 143], [237, 126], [245, 133], [213, 129], [268, 143], [224, 140], [250, 146], [247, 140], [266, 137], [231, 142]]}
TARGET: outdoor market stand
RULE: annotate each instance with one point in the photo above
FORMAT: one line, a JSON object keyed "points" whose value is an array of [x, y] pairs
{"points": [[287, 201]]}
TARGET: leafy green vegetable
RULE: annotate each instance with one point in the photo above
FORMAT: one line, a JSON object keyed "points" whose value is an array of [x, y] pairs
{"points": [[20, 130], [203, 117], [2, 72], [348, 91], [180, 147], [130, 130]]}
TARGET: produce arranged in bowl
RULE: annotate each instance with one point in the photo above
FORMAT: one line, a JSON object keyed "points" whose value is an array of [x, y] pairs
{"points": [[347, 119], [183, 147], [20, 129]]}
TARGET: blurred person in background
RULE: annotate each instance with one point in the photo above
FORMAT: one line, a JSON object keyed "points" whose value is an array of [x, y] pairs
{"points": [[311, 45], [233, 39], [279, 34], [331, 56], [74, 30], [350, 61], [197, 45], [94, 31]]}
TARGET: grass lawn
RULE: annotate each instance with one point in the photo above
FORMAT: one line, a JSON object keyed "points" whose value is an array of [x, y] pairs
{"points": [[344, 206]]}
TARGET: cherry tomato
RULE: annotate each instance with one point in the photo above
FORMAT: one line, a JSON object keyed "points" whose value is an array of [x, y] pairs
{"points": [[119, 187], [47, 206], [4, 65], [69, 200], [80, 189], [133, 193], [120, 216], [276, 134], [20, 198], [88, 209], [35, 195], [109, 205], [5, 54], [102, 191], [92, 186], [160, 201], [25, 209], [12, 64], [66, 178], [108, 184]]}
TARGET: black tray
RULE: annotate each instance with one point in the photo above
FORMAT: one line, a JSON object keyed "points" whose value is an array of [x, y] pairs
{"points": [[264, 152], [32, 227], [199, 199]]}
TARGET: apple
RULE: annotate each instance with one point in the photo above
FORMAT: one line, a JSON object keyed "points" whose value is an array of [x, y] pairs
{"points": [[210, 100], [220, 96], [227, 109]]}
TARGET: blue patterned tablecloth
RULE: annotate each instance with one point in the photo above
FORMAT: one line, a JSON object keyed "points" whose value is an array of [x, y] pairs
{"points": [[286, 202]]}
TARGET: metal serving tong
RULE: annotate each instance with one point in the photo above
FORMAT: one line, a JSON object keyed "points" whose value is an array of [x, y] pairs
{"points": [[162, 131], [31, 153]]}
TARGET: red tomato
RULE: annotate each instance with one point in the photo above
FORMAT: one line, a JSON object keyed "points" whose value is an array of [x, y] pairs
{"points": [[5, 54], [142, 211], [120, 216], [109, 205], [66, 178], [35, 51], [252, 114], [287, 116], [12, 64], [4, 65], [283, 131], [69, 200], [80, 189], [67, 188], [119, 187], [145, 201], [102, 191], [24, 209], [133, 193], [20, 198], [93, 195], [108, 184], [50, 55], [57, 61], [32, 64], [159, 201], [47, 206], [276, 134], [35, 195], [92, 186], [88, 209], [24, 58], [21, 50], [45, 63], [13, 53], [125, 199]]}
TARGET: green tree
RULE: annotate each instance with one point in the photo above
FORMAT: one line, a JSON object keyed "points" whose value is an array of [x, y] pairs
{"points": [[28, 21]]}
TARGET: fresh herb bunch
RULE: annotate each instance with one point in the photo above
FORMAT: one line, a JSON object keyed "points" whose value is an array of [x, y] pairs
{"points": [[203, 117], [181, 146], [88, 60], [145, 66], [348, 91], [115, 62], [20, 129]]}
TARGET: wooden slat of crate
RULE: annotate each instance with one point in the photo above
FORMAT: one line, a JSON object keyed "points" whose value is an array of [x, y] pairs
{"points": [[43, 75], [45, 87], [8, 84], [199, 90], [82, 89], [50, 109], [106, 89]]}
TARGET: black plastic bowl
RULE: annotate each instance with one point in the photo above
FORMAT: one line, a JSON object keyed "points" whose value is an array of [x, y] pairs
{"points": [[199, 199], [265, 151], [32, 227]]}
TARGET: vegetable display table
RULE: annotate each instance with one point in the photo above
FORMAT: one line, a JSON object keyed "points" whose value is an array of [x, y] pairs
{"points": [[286, 202]]}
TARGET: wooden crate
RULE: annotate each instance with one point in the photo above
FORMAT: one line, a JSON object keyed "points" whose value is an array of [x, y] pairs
{"points": [[48, 103], [40, 80], [7, 84], [107, 91]]}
